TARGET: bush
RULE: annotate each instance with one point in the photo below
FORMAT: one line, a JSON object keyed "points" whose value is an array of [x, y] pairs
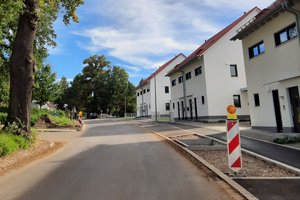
{"points": [[61, 120], [3, 117], [287, 140]]}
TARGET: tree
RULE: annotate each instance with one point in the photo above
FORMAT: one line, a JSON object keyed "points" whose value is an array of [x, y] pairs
{"points": [[63, 86], [45, 88], [22, 59]]}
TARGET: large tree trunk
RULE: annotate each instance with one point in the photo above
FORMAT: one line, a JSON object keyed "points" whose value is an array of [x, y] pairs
{"points": [[22, 66]]}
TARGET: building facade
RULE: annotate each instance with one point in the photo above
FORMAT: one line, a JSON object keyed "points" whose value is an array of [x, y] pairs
{"points": [[154, 94], [271, 50], [211, 78]]}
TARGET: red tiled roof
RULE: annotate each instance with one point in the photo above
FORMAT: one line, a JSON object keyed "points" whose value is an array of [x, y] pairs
{"points": [[144, 82], [264, 14], [208, 43]]}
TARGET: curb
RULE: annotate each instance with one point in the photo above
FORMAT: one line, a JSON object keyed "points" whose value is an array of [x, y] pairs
{"points": [[245, 193]]}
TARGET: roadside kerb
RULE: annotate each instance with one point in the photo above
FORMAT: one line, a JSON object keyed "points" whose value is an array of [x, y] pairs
{"points": [[225, 178], [269, 160]]}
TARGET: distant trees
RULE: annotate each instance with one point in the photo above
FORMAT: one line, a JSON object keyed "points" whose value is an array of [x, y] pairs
{"points": [[101, 88], [45, 86]]}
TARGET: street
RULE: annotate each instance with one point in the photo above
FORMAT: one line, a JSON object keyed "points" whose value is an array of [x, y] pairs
{"points": [[112, 160]]}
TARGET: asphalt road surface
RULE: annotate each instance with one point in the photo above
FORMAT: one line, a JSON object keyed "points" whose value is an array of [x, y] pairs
{"points": [[113, 160]]}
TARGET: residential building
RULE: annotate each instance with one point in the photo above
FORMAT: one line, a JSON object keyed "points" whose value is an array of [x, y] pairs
{"points": [[153, 94], [212, 77], [271, 50]]}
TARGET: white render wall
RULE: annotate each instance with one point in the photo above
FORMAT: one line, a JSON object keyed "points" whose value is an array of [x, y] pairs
{"points": [[278, 68], [161, 96], [215, 83]]}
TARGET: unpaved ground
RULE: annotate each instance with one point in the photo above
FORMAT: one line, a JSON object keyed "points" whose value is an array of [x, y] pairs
{"points": [[20, 158], [252, 167]]}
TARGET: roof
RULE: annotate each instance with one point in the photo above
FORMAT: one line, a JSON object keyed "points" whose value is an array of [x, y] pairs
{"points": [[208, 43], [261, 18], [147, 80]]}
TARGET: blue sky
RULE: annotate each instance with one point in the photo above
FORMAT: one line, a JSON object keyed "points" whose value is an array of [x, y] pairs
{"points": [[140, 35]]}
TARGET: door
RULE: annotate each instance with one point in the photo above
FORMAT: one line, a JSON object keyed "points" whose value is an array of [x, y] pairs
{"points": [[182, 109], [196, 111], [295, 107], [178, 108], [191, 108], [277, 110]]}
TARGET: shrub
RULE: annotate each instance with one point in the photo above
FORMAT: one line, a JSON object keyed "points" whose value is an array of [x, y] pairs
{"points": [[287, 140], [61, 120]]}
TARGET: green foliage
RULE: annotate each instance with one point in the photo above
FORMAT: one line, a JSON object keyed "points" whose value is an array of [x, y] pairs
{"points": [[3, 117], [61, 120], [287, 140], [10, 142], [101, 88], [45, 89]]}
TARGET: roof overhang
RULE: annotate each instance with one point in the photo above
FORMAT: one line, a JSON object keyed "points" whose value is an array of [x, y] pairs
{"points": [[261, 19]]}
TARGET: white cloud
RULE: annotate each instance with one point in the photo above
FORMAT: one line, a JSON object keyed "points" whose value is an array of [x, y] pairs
{"points": [[143, 32]]}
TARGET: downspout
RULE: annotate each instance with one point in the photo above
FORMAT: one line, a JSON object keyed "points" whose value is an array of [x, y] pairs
{"points": [[296, 13], [184, 94]]}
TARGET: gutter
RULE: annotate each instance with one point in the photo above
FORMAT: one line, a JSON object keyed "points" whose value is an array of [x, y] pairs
{"points": [[295, 12]]}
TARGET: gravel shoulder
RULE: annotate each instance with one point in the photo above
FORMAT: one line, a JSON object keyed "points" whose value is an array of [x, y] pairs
{"points": [[40, 149]]}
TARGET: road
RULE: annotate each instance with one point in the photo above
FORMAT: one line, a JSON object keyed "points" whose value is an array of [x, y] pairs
{"points": [[113, 160]]}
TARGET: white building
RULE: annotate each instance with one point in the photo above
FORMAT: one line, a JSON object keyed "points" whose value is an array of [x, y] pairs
{"points": [[212, 77], [153, 94], [272, 60]]}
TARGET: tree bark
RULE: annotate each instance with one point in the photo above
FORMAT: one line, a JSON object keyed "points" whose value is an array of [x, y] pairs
{"points": [[22, 67]]}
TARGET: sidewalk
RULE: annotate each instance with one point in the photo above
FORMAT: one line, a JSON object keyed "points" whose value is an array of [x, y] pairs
{"points": [[245, 131]]}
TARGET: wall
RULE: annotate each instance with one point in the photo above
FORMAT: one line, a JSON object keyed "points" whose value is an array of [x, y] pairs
{"points": [[277, 68]]}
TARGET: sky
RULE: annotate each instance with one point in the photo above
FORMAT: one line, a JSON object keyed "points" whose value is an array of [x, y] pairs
{"points": [[140, 35]]}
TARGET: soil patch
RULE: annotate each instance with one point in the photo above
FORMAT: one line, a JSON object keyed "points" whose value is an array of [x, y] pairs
{"points": [[20, 158]]}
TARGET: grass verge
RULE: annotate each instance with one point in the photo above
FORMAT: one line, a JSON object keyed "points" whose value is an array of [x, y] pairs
{"points": [[287, 140], [10, 143]]}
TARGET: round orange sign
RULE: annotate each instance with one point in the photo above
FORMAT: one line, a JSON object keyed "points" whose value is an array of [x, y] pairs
{"points": [[231, 109]]}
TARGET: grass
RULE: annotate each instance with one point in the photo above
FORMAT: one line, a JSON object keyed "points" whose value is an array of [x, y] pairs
{"points": [[287, 140], [10, 143], [2, 117]]}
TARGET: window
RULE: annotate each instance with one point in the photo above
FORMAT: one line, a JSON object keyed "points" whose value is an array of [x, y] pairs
{"points": [[173, 105], [256, 99], [237, 101], [256, 49], [167, 106], [198, 71], [144, 91], [285, 34], [233, 70], [174, 82], [138, 94], [141, 92], [148, 89], [166, 89], [180, 79], [188, 76], [203, 100]]}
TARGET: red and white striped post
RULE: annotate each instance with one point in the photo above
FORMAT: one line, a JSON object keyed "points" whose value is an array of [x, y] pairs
{"points": [[233, 140]]}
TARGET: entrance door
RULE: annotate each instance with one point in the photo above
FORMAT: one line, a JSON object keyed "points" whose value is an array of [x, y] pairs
{"points": [[191, 108], [196, 111], [295, 107], [182, 109], [277, 110], [178, 108]]}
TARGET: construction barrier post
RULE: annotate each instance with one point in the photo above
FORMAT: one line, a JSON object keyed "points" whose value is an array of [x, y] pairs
{"points": [[233, 140]]}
